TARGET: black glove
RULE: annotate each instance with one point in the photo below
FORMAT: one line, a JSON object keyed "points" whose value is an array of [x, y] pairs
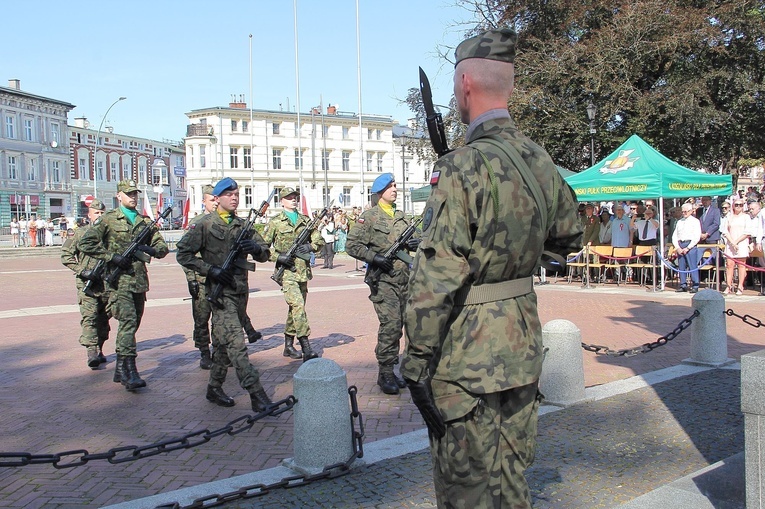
{"points": [[223, 277], [121, 262], [382, 262], [423, 399], [147, 249], [285, 261], [88, 275], [194, 289], [303, 251], [251, 247], [413, 243]]}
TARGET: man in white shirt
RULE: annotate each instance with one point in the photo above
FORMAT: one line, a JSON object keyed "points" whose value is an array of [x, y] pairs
{"points": [[687, 234], [646, 228]]}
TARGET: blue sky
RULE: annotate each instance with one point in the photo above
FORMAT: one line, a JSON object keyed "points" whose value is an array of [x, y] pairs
{"points": [[169, 57]]}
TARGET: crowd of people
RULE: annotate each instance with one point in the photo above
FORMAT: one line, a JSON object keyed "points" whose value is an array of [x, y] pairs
{"points": [[37, 232]]}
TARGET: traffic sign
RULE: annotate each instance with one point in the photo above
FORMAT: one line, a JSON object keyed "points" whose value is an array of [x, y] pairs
{"points": [[88, 200]]}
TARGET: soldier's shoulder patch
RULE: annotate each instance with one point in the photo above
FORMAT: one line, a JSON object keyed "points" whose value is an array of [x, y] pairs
{"points": [[427, 218], [434, 177], [192, 226], [360, 220]]}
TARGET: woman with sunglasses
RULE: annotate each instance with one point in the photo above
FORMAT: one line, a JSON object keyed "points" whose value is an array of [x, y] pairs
{"points": [[736, 236]]}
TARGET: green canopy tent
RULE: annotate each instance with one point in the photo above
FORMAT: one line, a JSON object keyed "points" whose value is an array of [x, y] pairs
{"points": [[637, 171], [423, 193]]}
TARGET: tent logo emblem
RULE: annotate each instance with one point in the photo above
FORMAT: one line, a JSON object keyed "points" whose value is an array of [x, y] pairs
{"points": [[621, 163]]}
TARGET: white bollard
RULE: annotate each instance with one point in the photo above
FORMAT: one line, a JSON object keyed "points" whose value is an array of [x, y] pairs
{"points": [[323, 433], [753, 408], [562, 379], [709, 336]]}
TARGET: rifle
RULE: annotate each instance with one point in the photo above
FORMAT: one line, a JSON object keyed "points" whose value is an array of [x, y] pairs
{"points": [[396, 250], [214, 296], [434, 120], [132, 251], [97, 277], [303, 237]]}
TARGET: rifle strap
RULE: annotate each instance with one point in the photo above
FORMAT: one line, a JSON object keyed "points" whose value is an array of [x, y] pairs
{"points": [[493, 292]]}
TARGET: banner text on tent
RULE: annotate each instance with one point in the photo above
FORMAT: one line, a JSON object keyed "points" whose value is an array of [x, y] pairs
{"points": [[637, 188], [697, 186]]}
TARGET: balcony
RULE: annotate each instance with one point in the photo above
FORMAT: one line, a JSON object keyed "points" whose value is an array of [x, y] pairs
{"points": [[199, 130]]}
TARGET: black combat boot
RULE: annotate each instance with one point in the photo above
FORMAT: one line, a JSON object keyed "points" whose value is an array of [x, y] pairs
{"points": [[206, 361], [130, 377], [399, 381], [217, 396], [93, 361], [387, 380], [260, 400], [119, 364], [101, 356], [289, 348], [254, 336], [308, 353]]}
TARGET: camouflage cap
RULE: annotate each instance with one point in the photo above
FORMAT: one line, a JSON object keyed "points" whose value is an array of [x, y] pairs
{"points": [[97, 205], [207, 189], [286, 191], [493, 45], [127, 186]]}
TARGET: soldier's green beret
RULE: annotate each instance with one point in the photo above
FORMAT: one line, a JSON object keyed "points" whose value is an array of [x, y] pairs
{"points": [[97, 205], [493, 45], [287, 191], [207, 189], [127, 186]]}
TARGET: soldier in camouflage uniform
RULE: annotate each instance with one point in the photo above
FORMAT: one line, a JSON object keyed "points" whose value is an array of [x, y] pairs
{"points": [[474, 351], [281, 231], [95, 320], [109, 236], [375, 231], [200, 307], [212, 238]]}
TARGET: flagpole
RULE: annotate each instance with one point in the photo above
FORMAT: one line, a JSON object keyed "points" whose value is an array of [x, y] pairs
{"points": [[250, 127], [358, 81], [297, 88]]}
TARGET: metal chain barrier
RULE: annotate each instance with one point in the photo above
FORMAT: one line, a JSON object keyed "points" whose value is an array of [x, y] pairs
{"points": [[747, 319], [258, 490], [645, 347], [78, 457]]}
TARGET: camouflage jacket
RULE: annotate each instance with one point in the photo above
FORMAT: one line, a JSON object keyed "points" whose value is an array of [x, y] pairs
{"points": [[373, 234], [490, 347], [212, 239], [591, 226], [282, 234], [191, 275], [76, 260], [111, 234]]}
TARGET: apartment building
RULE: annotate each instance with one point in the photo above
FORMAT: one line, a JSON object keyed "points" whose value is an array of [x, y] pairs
{"points": [[34, 155], [334, 154]]}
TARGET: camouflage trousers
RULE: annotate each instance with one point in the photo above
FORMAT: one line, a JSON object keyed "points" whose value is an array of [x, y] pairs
{"points": [[201, 311], [481, 460], [228, 343], [295, 293], [127, 308], [389, 303], [94, 319]]}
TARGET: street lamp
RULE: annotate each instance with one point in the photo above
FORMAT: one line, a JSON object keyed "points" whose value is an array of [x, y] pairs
{"points": [[403, 169], [95, 148], [591, 111]]}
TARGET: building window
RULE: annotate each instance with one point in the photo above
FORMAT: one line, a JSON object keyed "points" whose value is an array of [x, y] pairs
{"points": [[379, 134], [277, 156], [82, 168], [32, 170], [277, 201], [369, 134], [248, 197], [10, 127], [324, 195], [369, 195], [100, 171], [55, 134], [346, 133], [275, 127], [346, 160], [126, 171], [28, 130], [347, 196], [325, 160], [113, 171], [298, 159], [202, 156], [234, 157], [12, 174], [124, 144], [233, 126], [245, 126], [247, 157], [56, 172], [325, 130], [369, 161], [379, 161], [142, 175]]}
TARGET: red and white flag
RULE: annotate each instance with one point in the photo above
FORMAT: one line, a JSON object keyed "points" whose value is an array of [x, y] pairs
{"points": [[305, 207], [159, 208], [186, 206], [146, 210]]}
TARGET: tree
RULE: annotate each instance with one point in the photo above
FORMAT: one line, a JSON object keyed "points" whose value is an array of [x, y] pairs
{"points": [[687, 76]]}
